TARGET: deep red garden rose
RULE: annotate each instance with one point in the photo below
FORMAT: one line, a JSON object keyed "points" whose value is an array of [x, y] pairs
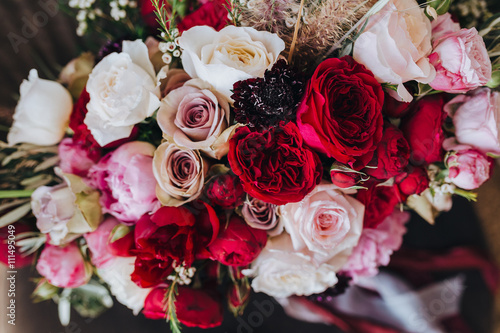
{"points": [[225, 191], [149, 271], [82, 134], [274, 165], [414, 181], [423, 130], [211, 13], [194, 307], [341, 113], [238, 244], [7, 235], [178, 233], [392, 154], [379, 203]]}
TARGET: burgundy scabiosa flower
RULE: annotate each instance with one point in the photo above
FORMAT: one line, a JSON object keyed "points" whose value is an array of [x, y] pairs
{"points": [[264, 102]]}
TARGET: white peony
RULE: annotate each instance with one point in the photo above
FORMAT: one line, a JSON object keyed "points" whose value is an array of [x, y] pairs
{"points": [[42, 113], [229, 55], [279, 271], [117, 275], [123, 92]]}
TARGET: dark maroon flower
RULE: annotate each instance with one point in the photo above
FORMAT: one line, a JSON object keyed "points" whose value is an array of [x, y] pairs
{"points": [[225, 191], [379, 203], [150, 272]]}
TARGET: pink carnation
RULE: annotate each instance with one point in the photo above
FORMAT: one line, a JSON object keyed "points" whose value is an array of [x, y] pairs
{"points": [[64, 267], [376, 246], [125, 178]]}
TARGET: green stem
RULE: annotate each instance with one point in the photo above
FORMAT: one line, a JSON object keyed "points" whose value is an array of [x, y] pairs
{"points": [[9, 194]]}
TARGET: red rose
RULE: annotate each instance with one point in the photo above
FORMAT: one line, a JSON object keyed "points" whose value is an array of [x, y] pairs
{"points": [[194, 307], [226, 191], [82, 134], [211, 13], [274, 166], [149, 272], [392, 155], [414, 181], [379, 203], [423, 130], [238, 244], [7, 235], [341, 113], [178, 233]]}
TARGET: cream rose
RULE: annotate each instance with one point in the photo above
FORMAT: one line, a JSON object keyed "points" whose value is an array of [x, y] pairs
{"points": [[229, 55], [180, 174], [279, 271], [196, 116], [326, 222], [123, 92], [42, 113], [395, 45]]}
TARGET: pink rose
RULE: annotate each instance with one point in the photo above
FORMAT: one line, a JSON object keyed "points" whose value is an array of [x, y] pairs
{"points": [[195, 116], [327, 223], [477, 119], [64, 267], [262, 215], [443, 25], [75, 159], [125, 178], [461, 61], [376, 246], [468, 168]]}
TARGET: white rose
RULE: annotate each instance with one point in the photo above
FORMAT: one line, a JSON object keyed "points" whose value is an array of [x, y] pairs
{"points": [[395, 45], [280, 272], [42, 113], [117, 275], [230, 55], [326, 222], [123, 92]]}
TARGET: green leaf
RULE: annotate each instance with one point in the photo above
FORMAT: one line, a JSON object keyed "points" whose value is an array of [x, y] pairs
{"points": [[495, 80], [441, 6], [119, 232]]}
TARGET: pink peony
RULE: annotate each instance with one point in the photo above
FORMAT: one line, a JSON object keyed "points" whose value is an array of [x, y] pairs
{"points": [[98, 242], [64, 267], [125, 178], [376, 246], [443, 25], [476, 117], [461, 61], [469, 167], [75, 159]]}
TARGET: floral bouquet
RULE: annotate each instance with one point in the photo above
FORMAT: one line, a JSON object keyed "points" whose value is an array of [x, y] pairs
{"points": [[266, 145]]}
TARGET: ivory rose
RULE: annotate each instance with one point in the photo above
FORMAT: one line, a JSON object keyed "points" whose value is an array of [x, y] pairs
{"points": [[180, 174], [42, 113], [395, 45], [196, 116], [476, 117], [123, 92], [327, 223], [279, 271], [461, 61], [229, 55], [126, 181]]}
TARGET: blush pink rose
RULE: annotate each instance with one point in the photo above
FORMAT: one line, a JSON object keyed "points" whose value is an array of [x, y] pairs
{"points": [[327, 223], [469, 168], [476, 117], [125, 178], [64, 267], [443, 25], [461, 62], [376, 246], [75, 159]]}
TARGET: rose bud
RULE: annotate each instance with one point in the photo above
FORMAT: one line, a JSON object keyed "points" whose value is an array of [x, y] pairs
{"points": [[423, 130], [64, 267], [392, 155], [468, 168], [262, 215], [194, 307], [413, 181], [225, 191], [345, 177], [238, 244], [237, 297]]}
